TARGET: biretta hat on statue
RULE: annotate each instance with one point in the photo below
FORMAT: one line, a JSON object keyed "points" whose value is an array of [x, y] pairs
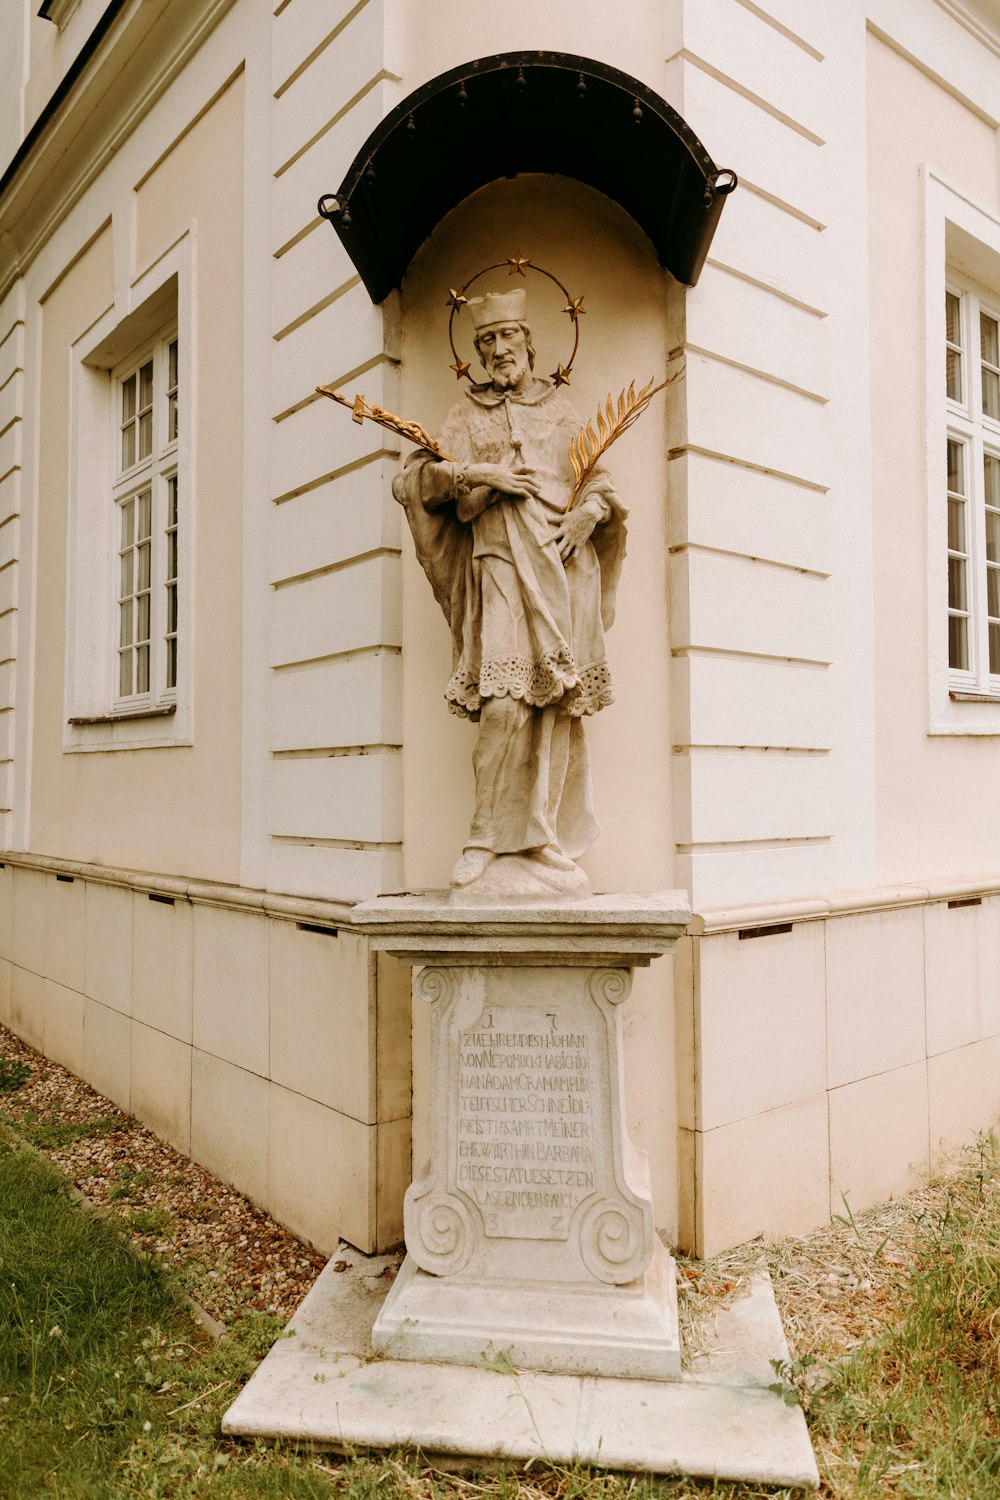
{"points": [[498, 307]]}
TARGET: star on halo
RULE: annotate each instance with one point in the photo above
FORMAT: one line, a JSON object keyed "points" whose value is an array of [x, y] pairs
{"points": [[560, 376], [518, 266], [574, 308], [460, 368], [455, 299]]}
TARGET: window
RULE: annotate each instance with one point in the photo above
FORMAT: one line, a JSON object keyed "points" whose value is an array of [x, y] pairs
{"points": [[131, 519], [972, 381], [148, 501]]}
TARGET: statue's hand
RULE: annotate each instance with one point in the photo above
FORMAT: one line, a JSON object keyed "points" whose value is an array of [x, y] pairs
{"points": [[576, 527], [518, 483]]}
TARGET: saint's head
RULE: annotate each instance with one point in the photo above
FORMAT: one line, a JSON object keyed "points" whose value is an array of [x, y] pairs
{"points": [[503, 338]]}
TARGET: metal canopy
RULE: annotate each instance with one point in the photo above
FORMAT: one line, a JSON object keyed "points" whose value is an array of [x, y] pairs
{"points": [[526, 112]]}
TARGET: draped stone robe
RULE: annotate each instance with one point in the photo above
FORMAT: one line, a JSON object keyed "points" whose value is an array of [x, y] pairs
{"points": [[525, 626]]}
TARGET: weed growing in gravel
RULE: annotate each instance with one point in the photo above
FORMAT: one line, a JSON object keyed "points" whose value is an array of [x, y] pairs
{"points": [[149, 1221], [128, 1181], [13, 1074], [48, 1133]]}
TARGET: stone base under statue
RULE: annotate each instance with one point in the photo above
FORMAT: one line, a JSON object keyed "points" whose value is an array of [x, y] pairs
{"points": [[619, 1331], [720, 1420], [535, 1316]]}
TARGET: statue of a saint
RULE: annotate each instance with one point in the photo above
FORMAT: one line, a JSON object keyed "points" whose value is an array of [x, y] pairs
{"points": [[528, 589]]}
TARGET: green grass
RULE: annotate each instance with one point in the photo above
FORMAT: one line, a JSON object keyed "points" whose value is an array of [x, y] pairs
{"points": [[916, 1413], [109, 1390]]}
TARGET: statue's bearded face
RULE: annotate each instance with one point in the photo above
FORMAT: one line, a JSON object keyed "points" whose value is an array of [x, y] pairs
{"points": [[506, 354]]}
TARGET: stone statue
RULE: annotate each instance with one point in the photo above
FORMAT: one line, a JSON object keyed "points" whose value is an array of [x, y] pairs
{"points": [[528, 588]]}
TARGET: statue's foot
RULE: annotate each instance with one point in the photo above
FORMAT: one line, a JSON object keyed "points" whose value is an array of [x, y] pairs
{"points": [[513, 877], [552, 857], [472, 863]]}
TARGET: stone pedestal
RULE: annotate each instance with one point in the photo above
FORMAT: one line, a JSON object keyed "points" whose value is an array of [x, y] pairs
{"points": [[530, 1233]]}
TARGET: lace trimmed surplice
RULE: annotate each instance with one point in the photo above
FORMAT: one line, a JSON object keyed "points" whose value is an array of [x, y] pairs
{"points": [[524, 625]]}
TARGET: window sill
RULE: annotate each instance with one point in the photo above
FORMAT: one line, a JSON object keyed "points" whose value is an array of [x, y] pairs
{"points": [[960, 697], [128, 716]]}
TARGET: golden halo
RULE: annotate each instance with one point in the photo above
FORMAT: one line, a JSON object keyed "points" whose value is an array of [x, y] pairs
{"points": [[518, 266]]}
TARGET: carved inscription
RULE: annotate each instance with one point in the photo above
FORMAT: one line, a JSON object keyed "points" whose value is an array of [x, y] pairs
{"points": [[525, 1148]]}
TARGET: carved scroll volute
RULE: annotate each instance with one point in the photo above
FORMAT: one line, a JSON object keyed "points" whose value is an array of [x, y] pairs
{"points": [[614, 1241], [613, 986], [440, 1231], [615, 1234], [441, 1234], [434, 985]]}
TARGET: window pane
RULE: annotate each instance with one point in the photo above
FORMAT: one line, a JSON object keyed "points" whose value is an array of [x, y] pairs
{"points": [[956, 525], [992, 537], [172, 608], [991, 477], [125, 674], [172, 662], [988, 339], [993, 593], [145, 434], [142, 669], [144, 566], [172, 554], [128, 399], [145, 514], [991, 394], [958, 643], [127, 575], [953, 335], [146, 386], [142, 625], [125, 626], [127, 513], [128, 446], [171, 418], [172, 363], [956, 583], [995, 648], [956, 468]]}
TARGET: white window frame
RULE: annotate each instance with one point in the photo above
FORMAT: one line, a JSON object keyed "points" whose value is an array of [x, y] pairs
{"points": [[150, 474], [154, 305], [961, 253], [978, 436]]}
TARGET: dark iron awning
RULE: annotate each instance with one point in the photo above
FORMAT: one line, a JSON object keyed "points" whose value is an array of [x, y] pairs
{"points": [[526, 112]]}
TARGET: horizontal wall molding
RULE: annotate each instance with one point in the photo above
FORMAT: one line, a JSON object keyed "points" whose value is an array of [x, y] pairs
{"points": [[764, 286], [198, 892], [738, 88], [781, 29], [846, 904], [783, 204], [745, 463]]}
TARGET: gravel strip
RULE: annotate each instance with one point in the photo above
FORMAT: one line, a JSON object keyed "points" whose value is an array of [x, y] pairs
{"points": [[232, 1256]]}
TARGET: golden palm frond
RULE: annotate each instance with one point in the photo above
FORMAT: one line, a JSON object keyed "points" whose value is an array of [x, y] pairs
{"points": [[588, 446], [361, 409]]}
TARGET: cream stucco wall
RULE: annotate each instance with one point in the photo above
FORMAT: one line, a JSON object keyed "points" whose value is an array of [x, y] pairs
{"points": [[632, 39], [177, 808], [933, 821]]}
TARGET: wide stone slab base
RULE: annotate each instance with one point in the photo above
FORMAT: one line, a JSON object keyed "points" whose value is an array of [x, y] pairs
{"points": [[626, 1330], [322, 1384]]}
